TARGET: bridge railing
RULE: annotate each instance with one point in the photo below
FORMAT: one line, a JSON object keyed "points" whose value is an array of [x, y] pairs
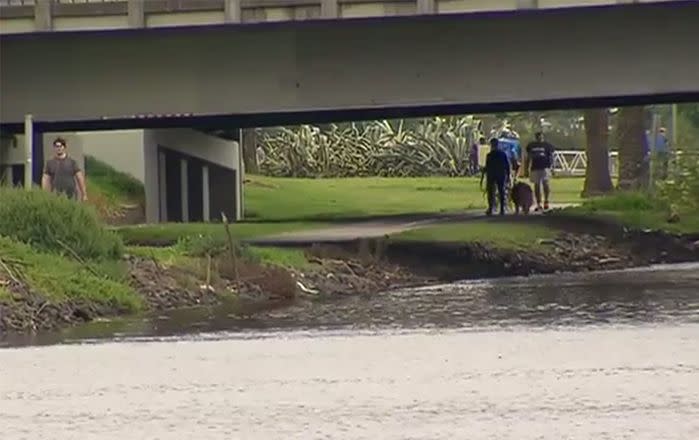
{"points": [[254, 10]]}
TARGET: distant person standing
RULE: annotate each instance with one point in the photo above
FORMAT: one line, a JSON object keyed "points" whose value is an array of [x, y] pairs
{"points": [[662, 153], [474, 155], [539, 164], [62, 174], [497, 173]]}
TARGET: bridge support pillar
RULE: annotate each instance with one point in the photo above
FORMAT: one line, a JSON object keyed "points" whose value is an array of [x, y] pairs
{"points": [[43, 17], [34, 153], [206, 205], [137, 13], [426, 7], [329, 9], [232, 11]]}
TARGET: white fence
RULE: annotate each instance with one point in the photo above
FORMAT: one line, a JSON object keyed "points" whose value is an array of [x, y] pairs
{"points": [[574, 162]]}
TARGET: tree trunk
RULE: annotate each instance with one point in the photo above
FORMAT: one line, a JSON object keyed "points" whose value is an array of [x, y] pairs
{"points": [[634, 170], [249, 145], [597, 178]]}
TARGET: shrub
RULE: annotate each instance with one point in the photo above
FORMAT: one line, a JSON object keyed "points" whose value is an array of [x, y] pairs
{"points": [[54, 223], [681, 189]]}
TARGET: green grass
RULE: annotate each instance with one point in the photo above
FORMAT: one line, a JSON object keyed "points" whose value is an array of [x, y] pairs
{"points": [[108, 189], [113, 184], [636, 211], [171, 232], [4, 293], [294, 258], [60, 279], [171, 255], [499, 234], [270, 198], [55, 224]]}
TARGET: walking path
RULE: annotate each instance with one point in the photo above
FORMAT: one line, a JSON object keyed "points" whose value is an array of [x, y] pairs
{"points": [[372, 228]]}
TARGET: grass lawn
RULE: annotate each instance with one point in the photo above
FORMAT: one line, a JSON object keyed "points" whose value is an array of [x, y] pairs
{"points": [[637, 211], [499, 234], [108, 189], [274, 198], [171, 232]]}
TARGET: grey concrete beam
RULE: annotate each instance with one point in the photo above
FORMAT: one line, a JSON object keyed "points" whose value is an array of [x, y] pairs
{"points": [[137, 14], [43, 20], [527, 4], [426, 7], [232, 11], [327, 66], [329, 9]]}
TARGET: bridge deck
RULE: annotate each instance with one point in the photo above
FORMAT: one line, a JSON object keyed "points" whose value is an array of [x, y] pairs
{"points": [[21, 16]]}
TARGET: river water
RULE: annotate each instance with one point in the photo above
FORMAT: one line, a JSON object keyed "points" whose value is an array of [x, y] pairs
{"points": [[588, 356]]}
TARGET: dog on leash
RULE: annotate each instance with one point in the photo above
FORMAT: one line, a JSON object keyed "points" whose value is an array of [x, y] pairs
{"points": [[522, 197]]}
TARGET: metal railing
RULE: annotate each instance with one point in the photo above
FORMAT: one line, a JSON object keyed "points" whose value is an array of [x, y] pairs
{"points": [[574, 162]]}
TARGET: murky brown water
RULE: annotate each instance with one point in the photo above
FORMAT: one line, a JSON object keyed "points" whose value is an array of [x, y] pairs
{"points": [[590, 356]]}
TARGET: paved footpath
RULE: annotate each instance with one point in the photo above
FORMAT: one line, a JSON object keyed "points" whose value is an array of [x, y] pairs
{"points": [[371, 228]]}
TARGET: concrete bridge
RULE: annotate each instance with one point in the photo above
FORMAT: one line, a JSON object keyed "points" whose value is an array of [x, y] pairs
{"points": [[293, 71], [57, 15]]}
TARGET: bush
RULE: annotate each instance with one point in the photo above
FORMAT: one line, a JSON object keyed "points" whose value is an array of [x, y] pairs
{"points": [[681, 189], [434, 147], [54, 223]]}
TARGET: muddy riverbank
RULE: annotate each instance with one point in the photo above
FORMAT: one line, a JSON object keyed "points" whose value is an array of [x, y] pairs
{"points": [[367, 266]]}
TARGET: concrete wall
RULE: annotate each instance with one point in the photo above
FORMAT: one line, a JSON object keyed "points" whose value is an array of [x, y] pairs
{"points": [[403, 62], [121, 149]]}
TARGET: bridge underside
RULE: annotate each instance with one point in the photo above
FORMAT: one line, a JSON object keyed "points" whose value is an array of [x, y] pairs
{"points": [[353, 69]]}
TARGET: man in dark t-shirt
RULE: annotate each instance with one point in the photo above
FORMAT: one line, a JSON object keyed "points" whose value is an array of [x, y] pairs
{"points": [[539, 163], [62, 174]]}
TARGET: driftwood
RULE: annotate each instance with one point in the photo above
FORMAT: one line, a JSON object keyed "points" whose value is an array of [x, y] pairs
{"points": [[231, 249]]}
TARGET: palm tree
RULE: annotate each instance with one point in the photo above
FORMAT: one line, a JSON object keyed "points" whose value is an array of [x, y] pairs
{"points": [[597, 178]]}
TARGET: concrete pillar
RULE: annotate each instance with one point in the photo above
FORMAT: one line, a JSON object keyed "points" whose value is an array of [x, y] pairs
{"points": [[527, 4], [34, 152], [426, 7], [28, 150], [137, 13], [43, 17], [232, 11], [162, 188], [9, 175], [329, 9], [184, 190], [240, 173], [206, 207]]}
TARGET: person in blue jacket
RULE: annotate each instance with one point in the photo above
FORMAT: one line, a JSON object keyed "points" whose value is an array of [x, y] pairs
{"points": [[497, 174]]}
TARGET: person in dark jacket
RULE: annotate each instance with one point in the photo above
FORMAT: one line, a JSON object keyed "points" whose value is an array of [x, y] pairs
{"points": [[497, 174]]}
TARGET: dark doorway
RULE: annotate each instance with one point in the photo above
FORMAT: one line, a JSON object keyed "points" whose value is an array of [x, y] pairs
{"points": [[17, 175], [222, 183]]}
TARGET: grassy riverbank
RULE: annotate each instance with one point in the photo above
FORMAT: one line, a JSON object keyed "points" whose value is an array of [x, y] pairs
{"points": [[638, 211], [60, 265]]}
